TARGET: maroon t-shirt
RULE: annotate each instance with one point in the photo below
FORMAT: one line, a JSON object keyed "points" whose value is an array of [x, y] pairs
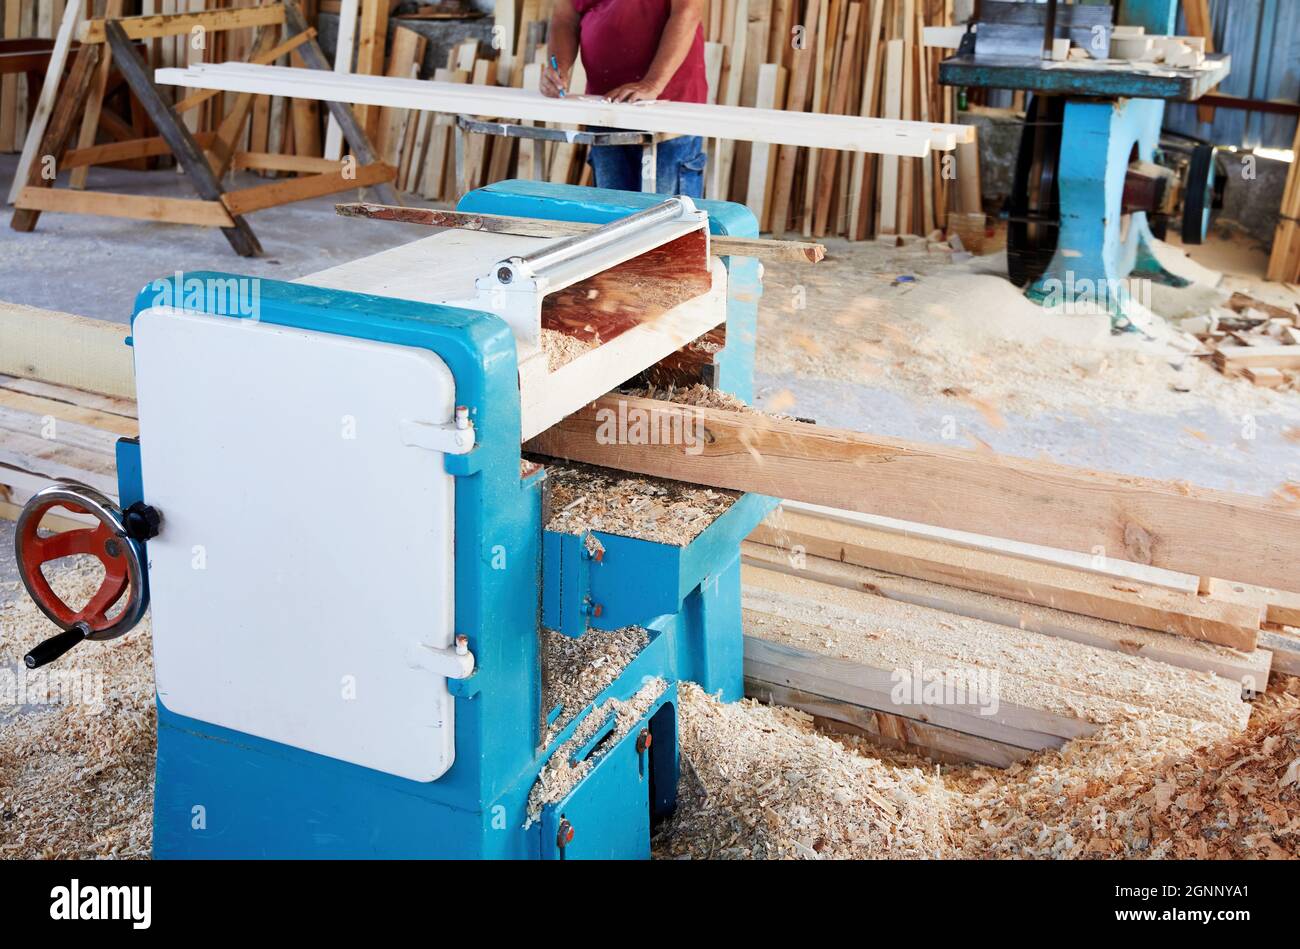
{"points": [[619, 39]]}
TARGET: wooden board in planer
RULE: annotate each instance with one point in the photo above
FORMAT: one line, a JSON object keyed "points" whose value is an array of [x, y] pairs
{"points": [[586, 318]]}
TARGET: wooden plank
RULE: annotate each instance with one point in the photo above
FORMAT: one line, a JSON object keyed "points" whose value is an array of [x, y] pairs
{"points": [[1251, 669], [95, 102], [137, 207], [1207, 619], [107, 404], [758, 191], [114, 152], [403, 62], [862, 193], [40, 117], [839, 101], [1273, 356], [793, 251], [889, 170], [345, 46], [845, 132], [796, 101], [895, 731], [371, 40], [276, 193], [11, 29], [65, 349], [57, 460], [56, 136], [267, 161], [179, 139], [1194, 530], [183, 24]]}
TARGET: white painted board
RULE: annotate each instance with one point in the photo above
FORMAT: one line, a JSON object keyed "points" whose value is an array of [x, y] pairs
{"points": [[306, 551]]}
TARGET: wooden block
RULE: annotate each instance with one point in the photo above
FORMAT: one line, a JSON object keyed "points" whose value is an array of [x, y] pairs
{"points": [[66, 350]]}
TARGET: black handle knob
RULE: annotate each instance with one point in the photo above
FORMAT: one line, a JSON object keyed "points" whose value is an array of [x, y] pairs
{"points": [[56, 646]]}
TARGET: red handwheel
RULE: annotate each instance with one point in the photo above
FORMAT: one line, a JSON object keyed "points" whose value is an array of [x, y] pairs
{"points": [[109, 541]]}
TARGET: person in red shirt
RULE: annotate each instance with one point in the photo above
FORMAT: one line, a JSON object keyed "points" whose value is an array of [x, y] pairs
{"points": [[634, 51]]}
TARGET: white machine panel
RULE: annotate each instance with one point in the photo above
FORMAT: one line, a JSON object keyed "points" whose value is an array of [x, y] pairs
{"points": [[307, 549]]}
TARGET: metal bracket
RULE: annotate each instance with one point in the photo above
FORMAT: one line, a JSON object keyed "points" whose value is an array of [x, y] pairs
{"points": [[456, 662], [450, 438]]}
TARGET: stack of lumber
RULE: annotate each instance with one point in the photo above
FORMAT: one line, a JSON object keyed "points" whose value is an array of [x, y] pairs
{"points": [[1284, 261], [840, 608], [1252, 339]]}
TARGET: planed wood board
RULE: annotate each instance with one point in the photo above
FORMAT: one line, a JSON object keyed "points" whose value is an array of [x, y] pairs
{"points": [[850, 133]]}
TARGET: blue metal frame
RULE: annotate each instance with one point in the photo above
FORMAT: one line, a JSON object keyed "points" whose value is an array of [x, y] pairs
{"points": [[222, 793]]}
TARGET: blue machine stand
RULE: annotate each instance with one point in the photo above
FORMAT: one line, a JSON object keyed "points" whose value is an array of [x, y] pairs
{"points": [[1084, 128], [225, 793]]}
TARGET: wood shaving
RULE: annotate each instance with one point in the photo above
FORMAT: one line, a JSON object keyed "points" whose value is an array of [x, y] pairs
{"points": [[578, 670], [759, 782], [561, 773], [698, 395], [588, 498], [562, 349], [77, 756]]}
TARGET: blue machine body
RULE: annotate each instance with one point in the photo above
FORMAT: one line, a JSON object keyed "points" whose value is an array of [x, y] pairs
{"points": [[222, 793]]}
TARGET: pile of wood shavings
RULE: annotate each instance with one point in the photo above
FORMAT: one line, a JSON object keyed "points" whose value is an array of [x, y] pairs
{"points": [[1132, 791], [589, 498], [561, 774], [770, 786], [562, 349], [76, 765], [578, 670], [698, 395]]}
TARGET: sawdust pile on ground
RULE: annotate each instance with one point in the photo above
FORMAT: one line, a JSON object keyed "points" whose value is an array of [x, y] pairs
{"points": [[77, 756], [760, 782], [589, 498], [909, 320], [561, 773], [562, 349], [1130, 792], [579, 669]]}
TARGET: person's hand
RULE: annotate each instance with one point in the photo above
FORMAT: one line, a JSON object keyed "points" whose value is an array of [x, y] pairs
{"points": [[642, 91], [554, 83]]}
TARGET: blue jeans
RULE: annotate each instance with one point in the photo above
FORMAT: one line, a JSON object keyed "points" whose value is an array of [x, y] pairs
{"points": [[679, 166]]}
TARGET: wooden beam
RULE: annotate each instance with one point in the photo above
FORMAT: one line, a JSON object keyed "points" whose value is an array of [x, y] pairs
{"points": [[66, 350], [796, 251], [1208, 533], [277, 193], [178, 137], [1205, 618], [137, 207], [182, 24], [95, 103], [36, 126], [268, 161], [113, 152]]}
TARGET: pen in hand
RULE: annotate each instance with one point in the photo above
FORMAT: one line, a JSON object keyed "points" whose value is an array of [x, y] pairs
{"points": [[555, 65]]}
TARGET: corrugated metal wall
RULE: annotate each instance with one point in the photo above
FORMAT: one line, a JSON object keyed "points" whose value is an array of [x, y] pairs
{"points": [[1263, 37]]}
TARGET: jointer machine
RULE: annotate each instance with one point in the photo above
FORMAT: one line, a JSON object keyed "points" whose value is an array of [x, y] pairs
{"points": [[1091, 172], [346, 554]]}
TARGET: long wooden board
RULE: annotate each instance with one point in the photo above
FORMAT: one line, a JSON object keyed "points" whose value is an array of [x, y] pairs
{"points": [[1208, 533], [851, 133], [65, 349]]}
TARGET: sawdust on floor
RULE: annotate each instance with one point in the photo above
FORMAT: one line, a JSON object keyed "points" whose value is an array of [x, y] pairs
{"points": [[579, 669], [910, 320], [76, 737], [589, 498], [76, 779]]}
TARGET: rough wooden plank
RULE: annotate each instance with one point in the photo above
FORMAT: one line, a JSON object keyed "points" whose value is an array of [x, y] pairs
{"points": [[95, 102], [1251, 669], [108, 404], [182, 24], [794, 251], [945, 744], [139, 207], [276, 193], [66, 350], [37, 122], [39, 407], [57, 460], [1194, 530], [1204, 618]]}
